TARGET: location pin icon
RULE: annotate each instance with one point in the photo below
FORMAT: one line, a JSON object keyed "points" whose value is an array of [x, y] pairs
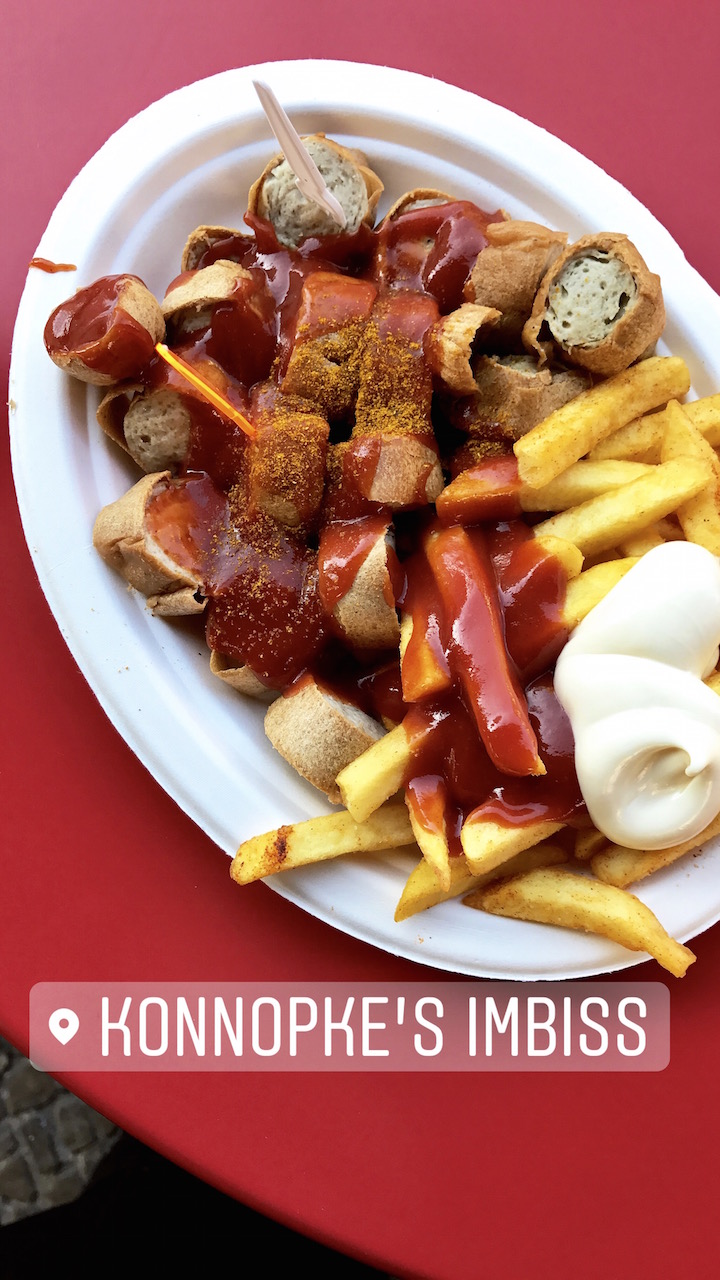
{"points": [[64, 1024]]}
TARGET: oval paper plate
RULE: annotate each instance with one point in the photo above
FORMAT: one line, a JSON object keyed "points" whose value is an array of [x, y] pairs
{"points": [[190, 159]]}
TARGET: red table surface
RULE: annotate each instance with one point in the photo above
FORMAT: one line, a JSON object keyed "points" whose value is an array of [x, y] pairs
{"points": [[103, 877]]}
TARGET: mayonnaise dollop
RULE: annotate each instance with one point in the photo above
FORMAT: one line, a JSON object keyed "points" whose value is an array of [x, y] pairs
{"points": [[646, 728]]}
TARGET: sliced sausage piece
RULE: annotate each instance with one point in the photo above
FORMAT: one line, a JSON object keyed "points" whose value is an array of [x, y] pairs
{"points": [[319, 734]]}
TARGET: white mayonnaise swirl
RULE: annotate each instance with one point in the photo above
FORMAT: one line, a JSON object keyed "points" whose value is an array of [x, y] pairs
{"points": [[647, 730]]}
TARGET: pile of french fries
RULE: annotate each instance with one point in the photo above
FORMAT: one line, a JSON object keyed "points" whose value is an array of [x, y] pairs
{"points": [[625, 466]]}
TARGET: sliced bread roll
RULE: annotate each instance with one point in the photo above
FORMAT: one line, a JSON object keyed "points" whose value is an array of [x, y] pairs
{"points": [[599, 306], [319, 733], [357, 575], [276, 197], [189, 302], [123, 540]]}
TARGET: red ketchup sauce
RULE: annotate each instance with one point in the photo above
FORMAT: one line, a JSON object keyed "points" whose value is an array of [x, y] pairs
{"points": [[343, 549], [93, 325], [187, 517], [433, 249], [50, 267], [451, 777], [474, 688], [265, 610]]}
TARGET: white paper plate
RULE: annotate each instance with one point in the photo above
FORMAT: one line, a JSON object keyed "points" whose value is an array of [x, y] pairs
{"points": [[190, 159]]}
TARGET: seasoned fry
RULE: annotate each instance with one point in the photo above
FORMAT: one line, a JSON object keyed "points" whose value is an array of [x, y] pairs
{"points": [[638, 441], [582, 481], [605, 521], [376, 775], [570, 556], [554, 896], [319, 839], [423, 890], [577, 427], [700, 516], [488, 845], [620, 866], [641, 440], [588, 842], [705, 414], [428, 811], [588, 589]]}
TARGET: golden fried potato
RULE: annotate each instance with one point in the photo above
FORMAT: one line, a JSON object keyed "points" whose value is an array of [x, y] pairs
{"points": [[318, 839], [556, 896], [577, 427]]}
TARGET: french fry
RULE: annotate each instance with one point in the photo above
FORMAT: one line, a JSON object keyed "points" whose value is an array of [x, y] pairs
{"points": [[488, 844], [422, 889], [605, 521], [582, 481], [572, 431], [427, 811], [641, 440], [588, 589], [588, 842], [621, 866], [705, 414], [555, 896], [570, 556], [638, 441], [376, 775], [478, 656], [638, 544], [319, 839], [700, 516], [426, 673]]}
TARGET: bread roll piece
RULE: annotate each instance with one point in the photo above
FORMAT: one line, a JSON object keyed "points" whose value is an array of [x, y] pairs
{"points": [[242, 679], [122, 539], [598, 305], [287, 464], [319, 734], [396, 471], [106, 333], [449, 345], [346, 173], [508, 271]]}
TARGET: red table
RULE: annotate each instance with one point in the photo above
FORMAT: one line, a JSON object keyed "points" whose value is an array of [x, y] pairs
{"points": [[434, 1175]]}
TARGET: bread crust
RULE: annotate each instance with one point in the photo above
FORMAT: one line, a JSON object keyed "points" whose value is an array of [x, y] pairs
{"points": [[204, 238], [513, 394], [631, 336], [205, 288], [112, 408]]}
